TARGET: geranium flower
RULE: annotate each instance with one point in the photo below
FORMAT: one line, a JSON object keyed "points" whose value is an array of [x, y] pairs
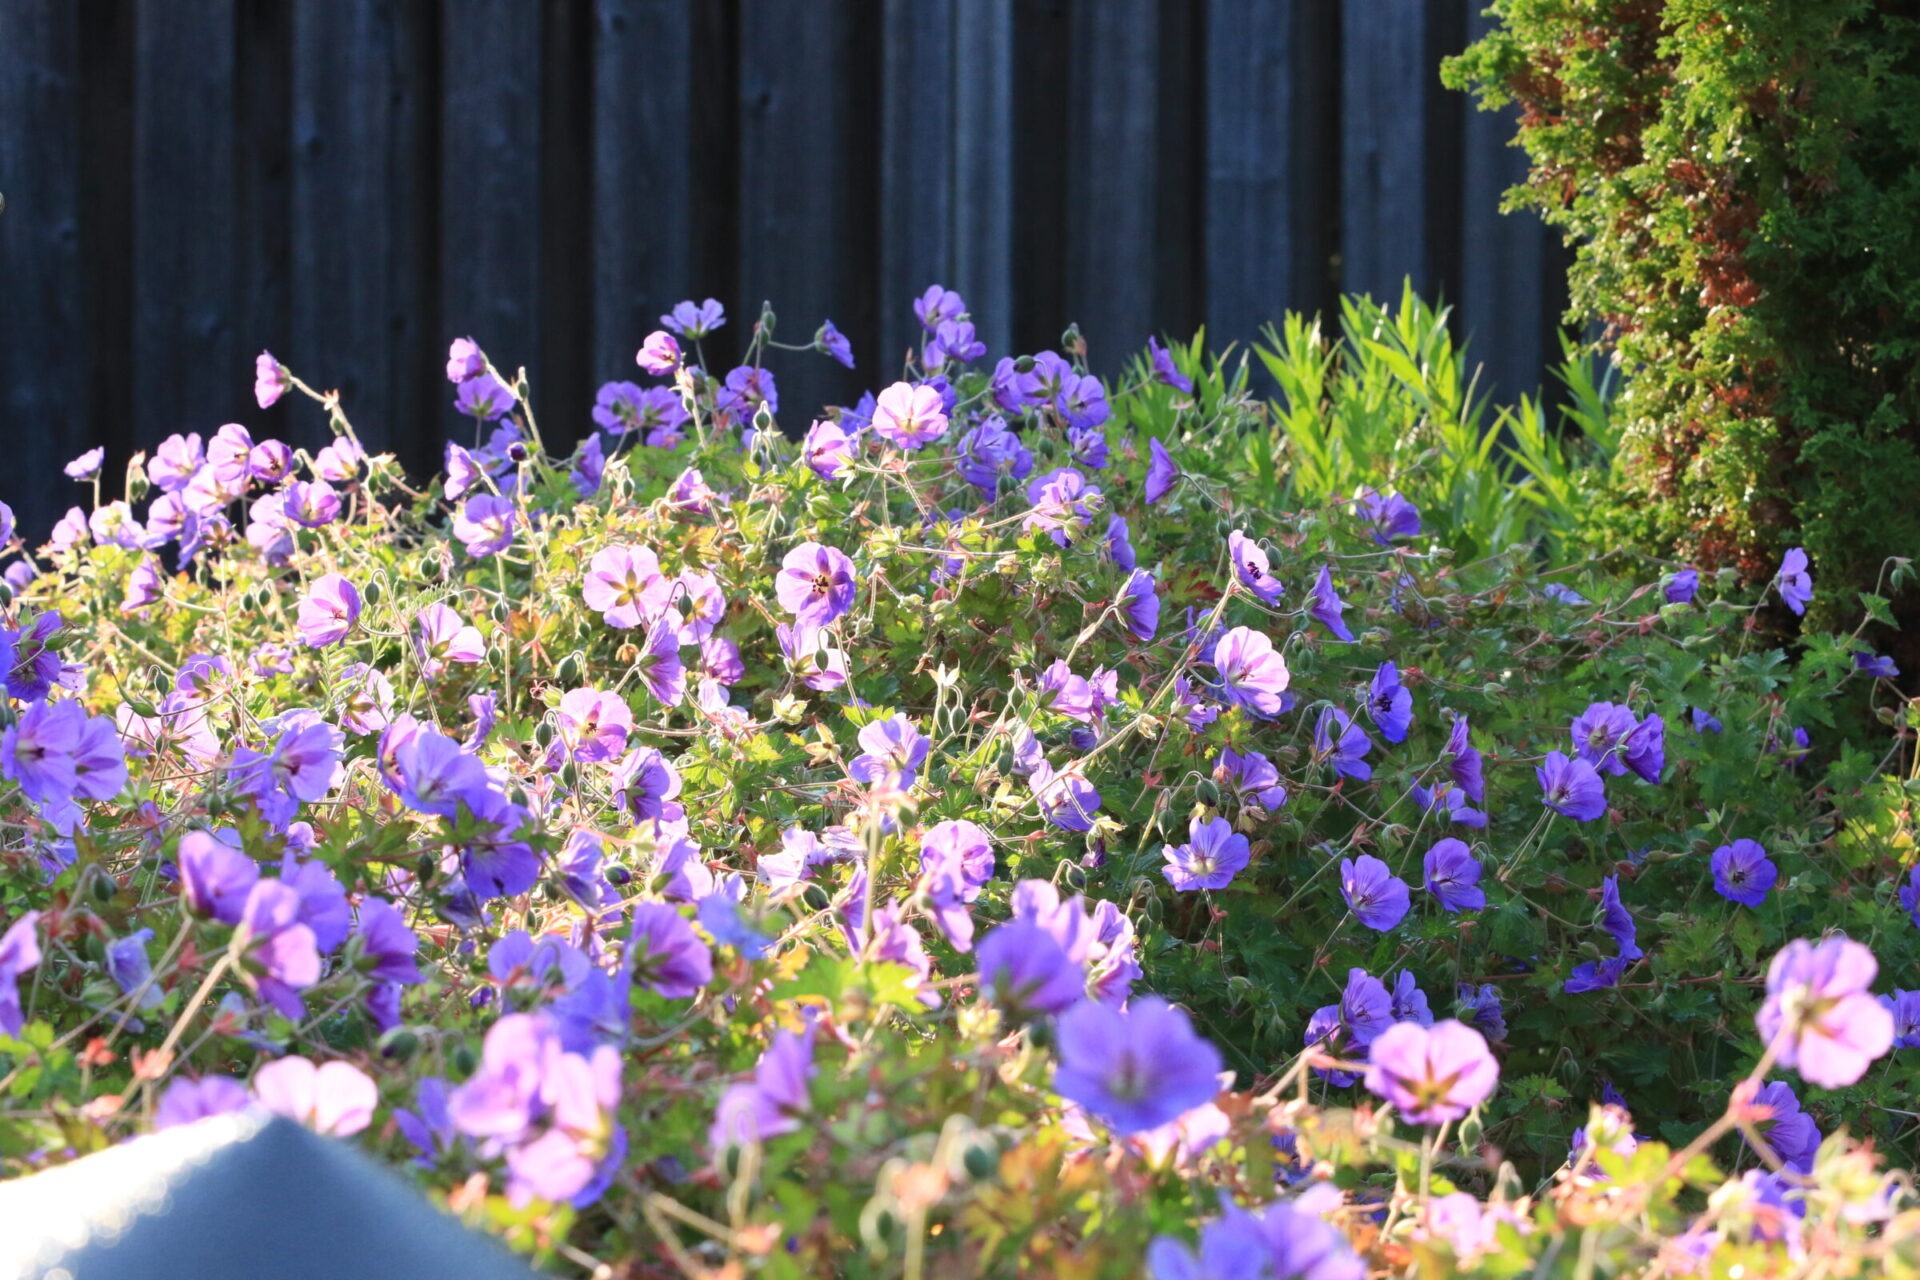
{"points": [[1162, 474], [1326, 607], [909, 416], [1378, 898], [1252, 673], [1571, 787], [1453, 876], [1819, 1015], [816, 584], [1742, 872], [328, 611], [1250, 566], [1135, 1068], [1431, 1075], [1390, 703], [1793, 581], [1210, 859], [1342, 744]]}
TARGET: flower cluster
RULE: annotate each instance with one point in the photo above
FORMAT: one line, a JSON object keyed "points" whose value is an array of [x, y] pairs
{"points": [[973, 825]]}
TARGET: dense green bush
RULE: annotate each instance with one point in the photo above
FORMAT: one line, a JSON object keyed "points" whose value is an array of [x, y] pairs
{"points": [[699, 855], [1739, 180]]}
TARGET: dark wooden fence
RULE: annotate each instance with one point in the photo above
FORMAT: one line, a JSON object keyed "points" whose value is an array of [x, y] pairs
{"points": [[350, 183]]}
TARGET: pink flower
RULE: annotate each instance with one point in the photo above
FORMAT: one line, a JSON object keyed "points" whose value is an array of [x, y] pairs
{"points": [[336, 1098], [1432, 1074]]}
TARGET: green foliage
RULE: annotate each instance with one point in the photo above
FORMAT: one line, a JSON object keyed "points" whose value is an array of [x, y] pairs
{"points": [[1391, 403], [1738, 181]]}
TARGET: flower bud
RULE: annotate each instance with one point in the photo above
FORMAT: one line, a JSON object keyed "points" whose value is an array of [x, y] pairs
{"points": [[465, 1062], [982, 1159], [568, 672], [399, 1044], [1023, 365], [372, 592]]}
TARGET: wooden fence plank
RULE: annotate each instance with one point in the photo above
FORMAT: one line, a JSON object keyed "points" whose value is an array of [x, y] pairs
{"points": [[186, 355], [809, 106], [916, 170], [642, 175], [1112, 171], [365, 318], [982, 195], [490, 180], [1505, 264], [42, 393], [1041, 153], [1387, 97]]}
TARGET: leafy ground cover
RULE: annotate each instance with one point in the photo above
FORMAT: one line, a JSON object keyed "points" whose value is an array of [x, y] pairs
{"points": [[1026, 826]]}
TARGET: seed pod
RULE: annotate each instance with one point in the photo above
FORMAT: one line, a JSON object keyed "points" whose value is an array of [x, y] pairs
{"points": [[372, 592], [464, 1060], [982, 1160], [568, 672]]}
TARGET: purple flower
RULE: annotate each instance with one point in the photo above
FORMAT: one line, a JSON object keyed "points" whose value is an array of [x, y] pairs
{"points": [[215, 876], [593, 725], [186, 1101], [270, 461], [617, 407], [311, 504], [1059, 504], [956, 860], [695, 320], [1162, 474], [1215, 852], [1598, 735], [1617, 920], [990, 451], [1449, 801], [387, 945], [1704, 722], [1645, 748], [1251, 568], [1364, 1011], [1481, 1006], [484, 397], [1904, 1006], [1560, 593], [1067, 799], [485, 525], [1792, 1134], [1378, 898], [1794, 582], [1390, 703], [1879, 666], [39, 751], [1571, 787], [1453, 876], [130, 967], [31, 664], [659, 354], [748, 389], [1681, 586], [816, 584], [281, 944], [1250, 777], [1082, 401], [270, 380], [1253, 675], [1325, 605], [441, 636], [464, 360], [1141, 605], [665, 955], [891, 746], [938, 305], [19, 952], [1819, 1014], [1342, 744], [1409, 1001], [1432, 1075], [1135, 1068], [328, 611], [87, 465], [1743, 873], [1164, 370], [910, 416], [772, 1103], [1596, 975], [334, 1098], [828, 449], [174, 463], [624, 585], [1391, 516], [1027, 971], [954, 340]]}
